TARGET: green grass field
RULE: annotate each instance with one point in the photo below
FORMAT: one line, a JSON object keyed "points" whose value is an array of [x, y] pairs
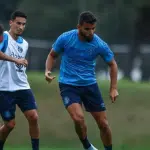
{"points": [[129, 118], [121, 148]]}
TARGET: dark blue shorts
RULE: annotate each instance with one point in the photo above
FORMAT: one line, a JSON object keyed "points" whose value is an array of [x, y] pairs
{"points": [[8, 101], [89, 96]]}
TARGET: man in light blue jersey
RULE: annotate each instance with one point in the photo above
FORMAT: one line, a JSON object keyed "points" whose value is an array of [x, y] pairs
{"points": [[77, 82]]}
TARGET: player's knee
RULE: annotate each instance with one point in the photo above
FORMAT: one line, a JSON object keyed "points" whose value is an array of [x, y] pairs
{"points": [[10, 125], [33, 118], [78, 118], [103, 125]]}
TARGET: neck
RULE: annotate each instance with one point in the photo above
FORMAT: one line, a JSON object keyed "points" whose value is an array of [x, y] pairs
{"points": [[81, 37], [14, 36]]}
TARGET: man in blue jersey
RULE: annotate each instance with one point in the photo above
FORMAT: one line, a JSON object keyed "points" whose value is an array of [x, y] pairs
{"points": [[77, 81]]}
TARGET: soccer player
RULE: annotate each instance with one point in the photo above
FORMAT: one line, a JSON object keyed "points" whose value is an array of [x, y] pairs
{"points": [[14, 87], [77, 81]]}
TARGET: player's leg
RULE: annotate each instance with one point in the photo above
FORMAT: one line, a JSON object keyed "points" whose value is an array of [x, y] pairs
{"points": [[27, 104], [7, 111], [77, 116], [5, 130], [105, 131], [34, 131], [71, 99], [94, 104]]}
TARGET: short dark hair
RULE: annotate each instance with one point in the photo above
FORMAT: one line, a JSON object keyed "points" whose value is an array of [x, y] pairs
{"points": [[1, 29], [87, 17], [18, 13]]}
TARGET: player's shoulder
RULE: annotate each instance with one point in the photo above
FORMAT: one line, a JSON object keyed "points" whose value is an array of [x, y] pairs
{"points": [[70, 33], [22, 41], [5, 32], [99, 41], [4, 38], [5, 35]]}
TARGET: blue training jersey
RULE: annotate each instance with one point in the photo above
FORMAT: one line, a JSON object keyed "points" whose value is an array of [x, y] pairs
{"points": [[79, 58]]}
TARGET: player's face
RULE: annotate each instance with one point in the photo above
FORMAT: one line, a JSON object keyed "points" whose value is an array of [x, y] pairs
{"points": [[17, 25], [86, 30]]}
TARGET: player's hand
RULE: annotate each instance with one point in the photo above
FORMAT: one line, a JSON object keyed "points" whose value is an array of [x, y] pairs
{"points": [[21, 61], [48, 77], [113, 94]]}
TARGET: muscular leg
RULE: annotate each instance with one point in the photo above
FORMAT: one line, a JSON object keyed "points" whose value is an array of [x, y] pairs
{"points": [[77, 116], [94, 104], [34, 130], [71, 96], [27, 104], [7, 112], [5, 130], [105, 131]]}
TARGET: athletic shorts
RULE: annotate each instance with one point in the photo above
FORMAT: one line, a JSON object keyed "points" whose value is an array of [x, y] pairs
{"points": [[8, 101], [89, 96]]}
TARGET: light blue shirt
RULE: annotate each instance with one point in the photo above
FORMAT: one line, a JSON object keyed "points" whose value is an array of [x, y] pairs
{"points": [[79, 58]]}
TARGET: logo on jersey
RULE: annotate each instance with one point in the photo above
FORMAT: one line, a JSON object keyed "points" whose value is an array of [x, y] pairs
{"points": [[91, 51], [20, 49], [19, 67]]}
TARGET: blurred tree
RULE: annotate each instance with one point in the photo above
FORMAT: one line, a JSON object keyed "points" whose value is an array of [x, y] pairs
{"points": [[50, 18], [7, 7]]}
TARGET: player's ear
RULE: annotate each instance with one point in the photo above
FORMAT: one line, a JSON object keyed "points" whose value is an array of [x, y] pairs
{"points": [[10, 23], [78, 26]]}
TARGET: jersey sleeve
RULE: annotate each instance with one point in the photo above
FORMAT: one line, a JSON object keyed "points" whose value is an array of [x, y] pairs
{"points": [[105, 52], [58, 45], [4, 43]]}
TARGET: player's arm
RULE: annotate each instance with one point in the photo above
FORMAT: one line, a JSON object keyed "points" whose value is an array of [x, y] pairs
{"points": [[113, 71], [6, 57], [49, 65], [113, 74], [51, 60], [57, 48], [3, 37], [108, 57], [3, 56]]}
